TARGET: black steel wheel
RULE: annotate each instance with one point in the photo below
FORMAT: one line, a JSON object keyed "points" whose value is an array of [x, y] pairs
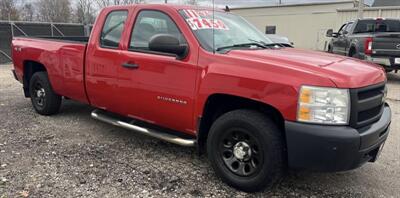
{"points": [[44, 100], [39, 95], [241, 152], [246, 150]]}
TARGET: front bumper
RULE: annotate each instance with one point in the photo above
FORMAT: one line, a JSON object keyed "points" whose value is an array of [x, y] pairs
{"points": [[335, 148], [387, 62]]}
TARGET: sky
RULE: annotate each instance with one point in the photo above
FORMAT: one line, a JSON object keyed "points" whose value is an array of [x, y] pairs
{"points": [[240, 3]]}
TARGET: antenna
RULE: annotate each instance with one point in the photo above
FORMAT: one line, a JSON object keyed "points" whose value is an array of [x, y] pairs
{"points": [[213, 21]]}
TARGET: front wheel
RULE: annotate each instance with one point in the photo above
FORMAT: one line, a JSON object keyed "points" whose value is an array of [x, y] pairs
{"points": [[44, 100], [388, 70], [246, 150], [330, 49]]}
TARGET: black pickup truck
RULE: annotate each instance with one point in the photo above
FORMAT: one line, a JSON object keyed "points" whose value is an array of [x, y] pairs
{"points": [[375, 40]]}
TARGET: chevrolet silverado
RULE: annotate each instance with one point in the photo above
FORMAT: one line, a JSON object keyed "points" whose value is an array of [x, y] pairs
{"points": [[208, 79]]}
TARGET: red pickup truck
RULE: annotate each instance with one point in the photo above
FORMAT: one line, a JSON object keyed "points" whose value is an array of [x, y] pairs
{"points": [[198, 77]]}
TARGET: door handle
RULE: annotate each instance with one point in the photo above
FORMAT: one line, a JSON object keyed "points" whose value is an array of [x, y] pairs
{"points": [[130, 65]]}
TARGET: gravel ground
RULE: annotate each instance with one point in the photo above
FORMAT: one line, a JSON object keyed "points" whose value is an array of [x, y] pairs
{"points": [[72, 155]]}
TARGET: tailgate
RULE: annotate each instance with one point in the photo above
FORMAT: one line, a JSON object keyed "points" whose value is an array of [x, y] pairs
{"points": [[386, 44]]}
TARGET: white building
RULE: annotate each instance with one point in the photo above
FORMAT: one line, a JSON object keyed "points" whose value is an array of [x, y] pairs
{"points": [[306, 24]]}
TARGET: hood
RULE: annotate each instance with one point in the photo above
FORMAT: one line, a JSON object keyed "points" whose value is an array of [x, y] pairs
{"points": [[345, 72]]}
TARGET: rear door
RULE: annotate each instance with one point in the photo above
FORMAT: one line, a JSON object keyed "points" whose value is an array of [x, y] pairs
{"points": [[104, 59], [158, 88]]}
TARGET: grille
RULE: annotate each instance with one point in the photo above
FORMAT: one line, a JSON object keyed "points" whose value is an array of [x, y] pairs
{"points": [[366, 105]]}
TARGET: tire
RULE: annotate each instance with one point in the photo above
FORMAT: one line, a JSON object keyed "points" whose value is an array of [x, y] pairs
{"points": [[388, 70], [44, 100], [258, 169], [354, 55], [330, 49]]}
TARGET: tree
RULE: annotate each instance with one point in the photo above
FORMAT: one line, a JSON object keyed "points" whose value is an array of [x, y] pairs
{"points": [[27, 12], [8, 10], [84, 12], [54, 10]]}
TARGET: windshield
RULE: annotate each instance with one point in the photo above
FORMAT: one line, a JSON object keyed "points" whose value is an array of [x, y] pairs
{"points": [[229, 29], [365, 26]]}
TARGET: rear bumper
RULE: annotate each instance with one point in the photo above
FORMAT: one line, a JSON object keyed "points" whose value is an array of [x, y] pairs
{"points": [[387, 62], [335, 148]]}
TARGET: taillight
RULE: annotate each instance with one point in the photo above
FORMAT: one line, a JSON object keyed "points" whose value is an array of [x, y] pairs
{"points": [[368, 46]]}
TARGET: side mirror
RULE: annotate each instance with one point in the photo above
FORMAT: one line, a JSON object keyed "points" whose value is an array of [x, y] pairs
{"points": [[167, 43], [329, 33]]}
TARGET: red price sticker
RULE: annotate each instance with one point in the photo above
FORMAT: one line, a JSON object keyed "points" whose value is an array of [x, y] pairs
{"points": [[203, 23], [197, 20], [197, 13]]}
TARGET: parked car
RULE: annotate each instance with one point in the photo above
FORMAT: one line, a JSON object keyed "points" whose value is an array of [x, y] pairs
{"points": [[375, 40], [254, 108], [282, 40]]}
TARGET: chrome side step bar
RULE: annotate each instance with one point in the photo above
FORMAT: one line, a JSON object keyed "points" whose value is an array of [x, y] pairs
{"points": [[100, 115]]}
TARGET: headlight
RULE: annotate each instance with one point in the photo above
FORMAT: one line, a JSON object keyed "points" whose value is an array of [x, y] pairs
{"points": [[323, 105]]}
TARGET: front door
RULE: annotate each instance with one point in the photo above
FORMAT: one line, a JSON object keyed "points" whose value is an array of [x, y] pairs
{"points": [[155, 87]]}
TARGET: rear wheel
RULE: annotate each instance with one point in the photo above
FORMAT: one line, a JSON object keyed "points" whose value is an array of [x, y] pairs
{"points": [[44, 100], [246, 150]]}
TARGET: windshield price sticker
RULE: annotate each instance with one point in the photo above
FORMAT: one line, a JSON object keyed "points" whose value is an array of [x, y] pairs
{"points": [[197, 20], [203, 23], [197, 13]]}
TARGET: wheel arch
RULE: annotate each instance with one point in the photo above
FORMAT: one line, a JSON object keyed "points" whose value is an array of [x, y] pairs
{"points": [[219, 104], [29, 68], [352, 50]]}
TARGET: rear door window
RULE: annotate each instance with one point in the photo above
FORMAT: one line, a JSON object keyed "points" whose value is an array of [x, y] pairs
{"points": [[112, 29]]}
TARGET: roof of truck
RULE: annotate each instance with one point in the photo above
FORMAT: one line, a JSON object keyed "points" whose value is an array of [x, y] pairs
{"points": [[173, 6]]}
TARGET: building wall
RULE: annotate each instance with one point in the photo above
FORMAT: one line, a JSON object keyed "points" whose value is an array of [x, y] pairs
{"points": [[305, 25], [345, 15]]}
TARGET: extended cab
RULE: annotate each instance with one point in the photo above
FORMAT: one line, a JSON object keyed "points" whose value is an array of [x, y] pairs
{"points": [[374, 40], [195, 77]]}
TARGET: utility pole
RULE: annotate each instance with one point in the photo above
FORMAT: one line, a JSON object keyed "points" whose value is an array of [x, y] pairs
{"points": [[360, 9]]}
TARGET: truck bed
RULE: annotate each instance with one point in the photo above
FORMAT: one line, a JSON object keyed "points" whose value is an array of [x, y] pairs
{"points": [[63, 58], [81, 39]]}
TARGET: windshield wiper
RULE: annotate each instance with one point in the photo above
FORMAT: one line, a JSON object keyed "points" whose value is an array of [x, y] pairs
{"points": [[273, 45], [260, 42], [242, 45], [267, 44]]}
